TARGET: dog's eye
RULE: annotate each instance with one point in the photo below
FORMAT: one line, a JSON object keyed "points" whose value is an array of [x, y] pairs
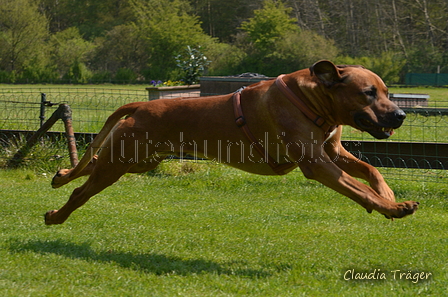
{"points": [[370, 93]]}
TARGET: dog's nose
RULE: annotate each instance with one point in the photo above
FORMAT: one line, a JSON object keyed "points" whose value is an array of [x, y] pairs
{"points": [[400, 115]]}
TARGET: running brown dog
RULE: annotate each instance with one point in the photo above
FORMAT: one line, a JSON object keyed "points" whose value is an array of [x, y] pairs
{"points": [[268, 128]]}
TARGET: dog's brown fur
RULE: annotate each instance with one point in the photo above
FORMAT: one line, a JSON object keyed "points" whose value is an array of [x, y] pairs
{"points": [[206, 127]]}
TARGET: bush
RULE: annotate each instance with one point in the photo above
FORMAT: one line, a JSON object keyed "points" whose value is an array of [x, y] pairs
{"points": [[34, 73], [78, 73], [192, 64], [102, 77], [125, 76], [5, 77], [225, 59], [274, 44], [423, 58], [388, 66]]}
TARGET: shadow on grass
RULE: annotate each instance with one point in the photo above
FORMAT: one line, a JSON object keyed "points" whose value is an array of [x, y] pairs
{"points": [[149, 263]]}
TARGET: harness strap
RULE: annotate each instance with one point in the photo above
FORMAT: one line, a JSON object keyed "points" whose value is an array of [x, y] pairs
{"points": [[241, 123], [316, 119]]}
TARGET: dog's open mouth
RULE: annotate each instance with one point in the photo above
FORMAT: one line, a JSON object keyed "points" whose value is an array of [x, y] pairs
{"points": [[376, 130]]}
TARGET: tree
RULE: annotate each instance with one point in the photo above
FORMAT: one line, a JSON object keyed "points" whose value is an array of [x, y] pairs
{"points": [[23, 31], [226, 59], [168, 29], [388, 66], [92, 18], [221, 19], [122, 47], [70, 51], [141, 38], [274, 44], [268, 25]]}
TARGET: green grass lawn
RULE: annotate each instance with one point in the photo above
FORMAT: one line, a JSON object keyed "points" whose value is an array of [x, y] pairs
{"points": [[216, 232]]}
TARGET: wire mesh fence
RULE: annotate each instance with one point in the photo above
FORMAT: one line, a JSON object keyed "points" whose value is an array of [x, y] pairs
{"points": [[20, 109], [421, 125]]}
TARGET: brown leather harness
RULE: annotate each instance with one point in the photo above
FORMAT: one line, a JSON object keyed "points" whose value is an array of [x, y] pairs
{"points": [[241, 123]]}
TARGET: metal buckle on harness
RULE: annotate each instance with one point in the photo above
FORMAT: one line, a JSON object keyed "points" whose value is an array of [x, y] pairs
{"points": [[319, 121], [240, 89], [240, 121]]}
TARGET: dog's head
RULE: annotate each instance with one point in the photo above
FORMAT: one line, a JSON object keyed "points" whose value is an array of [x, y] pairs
{"points": [[360, 97]]}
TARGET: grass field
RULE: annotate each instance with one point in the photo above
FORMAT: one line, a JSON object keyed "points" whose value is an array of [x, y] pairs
{"points": [[207, 230]]}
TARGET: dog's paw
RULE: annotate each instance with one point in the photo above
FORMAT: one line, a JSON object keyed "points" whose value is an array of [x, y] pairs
{"points": [[403, 209], [60, 178], [48, 219], [408, 207]]}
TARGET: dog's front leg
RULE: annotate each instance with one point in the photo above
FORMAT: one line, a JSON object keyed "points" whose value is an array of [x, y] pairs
{"points": [[333, 177], [355, 167]]}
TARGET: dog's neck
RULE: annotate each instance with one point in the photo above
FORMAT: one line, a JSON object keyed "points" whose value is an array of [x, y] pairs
{"points": [[302, 96], [311, 93]]}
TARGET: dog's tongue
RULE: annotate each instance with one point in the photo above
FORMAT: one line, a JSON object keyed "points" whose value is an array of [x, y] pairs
{"points": [[388, 131]]}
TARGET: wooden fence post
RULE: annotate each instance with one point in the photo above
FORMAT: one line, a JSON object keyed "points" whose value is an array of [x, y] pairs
{"points": [[63, 112], [66, 116]]}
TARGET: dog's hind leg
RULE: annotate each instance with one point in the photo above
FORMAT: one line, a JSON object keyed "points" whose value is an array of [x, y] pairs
{"points": [[102, 176], [107, 168], [64, 176], [88, 161]]}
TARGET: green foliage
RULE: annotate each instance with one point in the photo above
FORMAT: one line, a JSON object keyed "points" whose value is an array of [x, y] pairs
{"points": [[388, 66], [92, 18], [426, 59], [78, 73], [268, 25], [43, 40], [275, 45], [35, 72], [102, 77], [169, 29], [226, 59], [300, 49], [125, 75], [192, 63], [23, 31], [70, 50], [221, 19], [38, 68], [124, 46], [5, 76]]}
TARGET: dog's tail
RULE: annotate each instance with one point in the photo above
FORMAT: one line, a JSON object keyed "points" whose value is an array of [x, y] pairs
{"points": [[102, 136]]}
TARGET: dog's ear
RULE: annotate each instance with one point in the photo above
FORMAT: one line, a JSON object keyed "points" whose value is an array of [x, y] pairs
{"points": [[327, 72]]}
